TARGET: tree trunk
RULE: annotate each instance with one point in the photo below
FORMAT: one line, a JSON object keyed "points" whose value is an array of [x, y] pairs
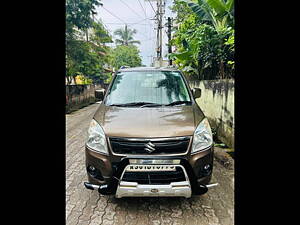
{"points": [[74, 79], [68, 80], [221, 70]]}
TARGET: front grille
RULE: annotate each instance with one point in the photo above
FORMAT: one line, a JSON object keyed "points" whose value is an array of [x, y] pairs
{"points": [[139, 146], [157, 177]]}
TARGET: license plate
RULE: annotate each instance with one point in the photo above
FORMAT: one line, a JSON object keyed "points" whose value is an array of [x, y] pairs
{"points": [[139, 168]]}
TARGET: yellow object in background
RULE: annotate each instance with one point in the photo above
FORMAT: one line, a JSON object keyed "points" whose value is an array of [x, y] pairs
{"points": [[81, 79]]}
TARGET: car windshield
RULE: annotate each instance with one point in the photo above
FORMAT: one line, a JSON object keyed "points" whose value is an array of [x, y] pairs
{"points": [[148, 87]]}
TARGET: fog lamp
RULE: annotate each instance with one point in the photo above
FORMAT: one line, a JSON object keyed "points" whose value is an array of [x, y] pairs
{"points": [[95, 173], [207, 167], [92, 169]]}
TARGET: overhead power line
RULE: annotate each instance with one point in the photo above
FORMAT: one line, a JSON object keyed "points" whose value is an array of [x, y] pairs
{"points": [[130, 8], [139, 22], [142, 8], [114, 15], [123, 22], [142, 20], [152, 6], [131, 24], [143, 24]]}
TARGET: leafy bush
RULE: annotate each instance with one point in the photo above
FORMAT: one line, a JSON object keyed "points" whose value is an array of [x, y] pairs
{"points": [[204, 39]]}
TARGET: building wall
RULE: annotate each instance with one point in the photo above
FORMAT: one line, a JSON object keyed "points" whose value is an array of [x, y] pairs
{"points": [[217, 103], [80, 95]]}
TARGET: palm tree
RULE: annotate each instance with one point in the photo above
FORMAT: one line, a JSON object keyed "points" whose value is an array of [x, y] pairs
{"points": [[126, 36], [217, 12]]}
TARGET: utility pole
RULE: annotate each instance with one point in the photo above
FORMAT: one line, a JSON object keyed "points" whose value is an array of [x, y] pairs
{"points": [[169, 38], [159, 17], [126, 41], [158, 29]]}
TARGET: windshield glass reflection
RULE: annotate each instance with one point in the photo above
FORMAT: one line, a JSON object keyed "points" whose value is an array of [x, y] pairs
{"points": [[159, 87]]}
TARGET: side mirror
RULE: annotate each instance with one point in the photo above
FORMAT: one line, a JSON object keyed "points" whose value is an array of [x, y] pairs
{"points": [[99, 94], [196, 92]]}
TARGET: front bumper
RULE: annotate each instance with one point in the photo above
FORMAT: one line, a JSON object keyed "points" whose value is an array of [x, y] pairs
{"points": [[133, 189], [138, 187], [111, 169]]}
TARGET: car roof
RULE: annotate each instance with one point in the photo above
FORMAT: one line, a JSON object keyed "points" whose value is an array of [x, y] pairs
{"points": [[136, 69]]}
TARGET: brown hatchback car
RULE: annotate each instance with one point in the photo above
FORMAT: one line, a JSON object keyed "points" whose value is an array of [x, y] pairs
{"points": [[149, 137]]}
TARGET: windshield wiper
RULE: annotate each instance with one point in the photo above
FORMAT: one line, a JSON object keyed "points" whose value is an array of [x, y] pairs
{"points": [[133, 104], [151, 105], [179, 103]]}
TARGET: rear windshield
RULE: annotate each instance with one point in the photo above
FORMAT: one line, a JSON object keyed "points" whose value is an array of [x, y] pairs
{"points": [[161, 87]]}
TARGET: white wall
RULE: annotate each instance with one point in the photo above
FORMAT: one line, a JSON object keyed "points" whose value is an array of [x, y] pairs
{"points": [[217, 103]]}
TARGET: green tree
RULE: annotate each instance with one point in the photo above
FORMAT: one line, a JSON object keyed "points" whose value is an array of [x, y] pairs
{"points": [[182, 10], [126, 36], [79, 14], [88, 58], [86, 50], [126, 56]]}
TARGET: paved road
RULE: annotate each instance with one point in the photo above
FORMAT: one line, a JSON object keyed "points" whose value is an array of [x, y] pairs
{"points": [[84, 206]]}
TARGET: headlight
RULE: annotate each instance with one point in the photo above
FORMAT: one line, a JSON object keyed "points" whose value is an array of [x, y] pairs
{"points": [[202, 136], [96, 139]]}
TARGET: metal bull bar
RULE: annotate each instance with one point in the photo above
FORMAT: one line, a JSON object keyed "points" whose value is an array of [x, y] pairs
{"points": [[101, 188], [124, 188]]}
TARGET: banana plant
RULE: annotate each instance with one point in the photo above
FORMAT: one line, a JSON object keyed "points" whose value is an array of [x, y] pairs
{"points": [[217, 12]]}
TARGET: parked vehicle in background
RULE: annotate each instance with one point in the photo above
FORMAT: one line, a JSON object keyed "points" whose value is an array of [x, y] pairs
{"points": [[149, 137]]}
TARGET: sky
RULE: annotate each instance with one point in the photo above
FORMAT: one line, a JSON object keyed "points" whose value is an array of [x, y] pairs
{"points": [[137, 14]]}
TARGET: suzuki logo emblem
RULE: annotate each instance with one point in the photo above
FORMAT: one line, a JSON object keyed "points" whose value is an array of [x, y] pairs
{"points": [[149, 147]]}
